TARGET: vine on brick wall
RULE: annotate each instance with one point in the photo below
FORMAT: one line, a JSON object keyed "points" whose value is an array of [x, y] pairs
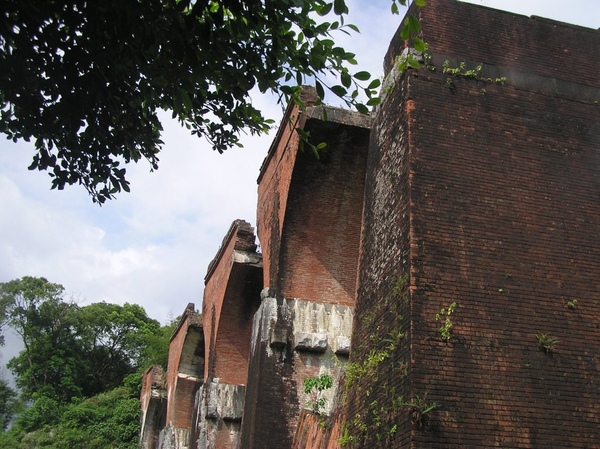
{"points": [[380, 417]]}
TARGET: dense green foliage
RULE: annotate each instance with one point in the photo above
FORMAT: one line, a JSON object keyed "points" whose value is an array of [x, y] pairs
{"points": [[108, 420], [84, 80], [72, 351], [79, 373], [8, 404]]}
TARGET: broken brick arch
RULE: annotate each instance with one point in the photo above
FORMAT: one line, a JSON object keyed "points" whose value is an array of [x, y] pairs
{"points": [[186, 368], [231, 297], [192, 358]]}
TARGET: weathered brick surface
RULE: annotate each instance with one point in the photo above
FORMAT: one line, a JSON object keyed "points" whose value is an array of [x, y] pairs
{"points": [[184, 356], [231, 296], [316, 432], [384, 260], [273, 186], [233, 338], [309, 209], [153, 406], [472, 192], [502, 39], [322, 223], [505, 223], [271, 402], [491, 202], [309, 216]]}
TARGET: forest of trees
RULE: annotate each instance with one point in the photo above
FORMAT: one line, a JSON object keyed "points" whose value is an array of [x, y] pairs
{"points": [[79, 374]]}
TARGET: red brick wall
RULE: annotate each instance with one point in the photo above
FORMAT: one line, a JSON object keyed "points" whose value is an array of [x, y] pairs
{"points": [[179, 406], [311, 254], [273, 185], [381, 311], [497, 38], [240, 302], [231, 296], [493, 196], [322, 222], [317, 432], [182, 408], [214, 291], [153, 406], [506, 221]]}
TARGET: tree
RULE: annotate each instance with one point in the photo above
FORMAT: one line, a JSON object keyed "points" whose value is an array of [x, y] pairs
{"points": [[21, 296], [72, 351], [113, 339], [156, 347], [80, 372], [8, 402], [86, 79], [45, 323], [109, 419]]}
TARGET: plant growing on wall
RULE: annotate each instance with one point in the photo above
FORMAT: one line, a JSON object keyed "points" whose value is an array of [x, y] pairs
{"points": [[419, 408], [462, 72], [546, 342], [443, 316], [314, 386]]}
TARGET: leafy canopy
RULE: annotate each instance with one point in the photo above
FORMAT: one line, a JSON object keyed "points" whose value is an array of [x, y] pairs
{"points": [[71, 351], [80, 370], [8, 404], [107, 420], [85, 79]]}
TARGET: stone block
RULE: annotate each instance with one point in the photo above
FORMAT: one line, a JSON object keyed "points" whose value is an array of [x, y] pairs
{"points": [[309, 341], [342, 345]]}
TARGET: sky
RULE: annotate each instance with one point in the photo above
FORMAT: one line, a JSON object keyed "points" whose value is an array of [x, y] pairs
{"points": [[152, 246]]}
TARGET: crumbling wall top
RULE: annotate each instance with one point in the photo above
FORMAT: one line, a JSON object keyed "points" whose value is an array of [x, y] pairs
{"points": [[506, 40], [245, 240]]}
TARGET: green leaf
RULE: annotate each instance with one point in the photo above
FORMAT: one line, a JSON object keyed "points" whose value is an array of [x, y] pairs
{"points": [[303, 134], [346, 79], [413, 63], [338, 52], [374, 101], [325, 9], [362, 76], [340, 91], [320, 90], [405, 31], [353, 27], [374, 84], [413, 24], [395, 9], [362, 108], [420, 3], [339, 7], [419, 44]]}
